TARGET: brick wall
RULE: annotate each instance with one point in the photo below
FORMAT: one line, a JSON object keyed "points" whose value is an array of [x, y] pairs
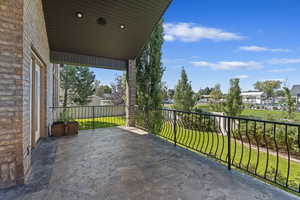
{"points": [[22, 30], [11, 94]]}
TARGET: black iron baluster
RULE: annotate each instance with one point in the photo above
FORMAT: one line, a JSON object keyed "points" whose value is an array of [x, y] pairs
{"points": [[250, 147], [277, 156], [229, 144], [93, 117], [289, 159], [242, 142], [257, 145], [234, 137], [175, 127], [267, 146]]}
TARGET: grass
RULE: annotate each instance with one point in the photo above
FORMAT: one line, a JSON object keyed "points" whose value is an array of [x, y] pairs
{"points": [[268, 114], [260, 114], [100, 122], [242, 156]]}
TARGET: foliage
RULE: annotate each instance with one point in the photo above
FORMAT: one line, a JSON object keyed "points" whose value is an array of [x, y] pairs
{"points": [[67, 79], [171, 93], [215, 103], [78, 84], [290, 103], [65, 116], [201, 92], [234, 103], [83, 86], [103, 89], [149, 75], [268, 87], [183, 97], [118, 90]]}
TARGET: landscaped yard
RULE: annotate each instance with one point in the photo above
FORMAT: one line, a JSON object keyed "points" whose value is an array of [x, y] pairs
{"points": [[268, 114], [260, 114]]}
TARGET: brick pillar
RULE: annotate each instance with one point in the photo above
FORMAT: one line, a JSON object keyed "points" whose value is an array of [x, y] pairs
{"points": [[130, 93]]}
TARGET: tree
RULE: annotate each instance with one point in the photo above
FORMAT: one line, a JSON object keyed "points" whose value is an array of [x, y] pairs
{"points": [[183, 97], [103, 89], [149, 75], [118, 90], [215, 102], [164, 91], [67, 80], [171, 93], [289, 102], [268, 87], [234, 104], [84, 85]]}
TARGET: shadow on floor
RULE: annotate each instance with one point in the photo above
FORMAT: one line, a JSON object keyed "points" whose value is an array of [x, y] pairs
{"points": [[43, 158]]}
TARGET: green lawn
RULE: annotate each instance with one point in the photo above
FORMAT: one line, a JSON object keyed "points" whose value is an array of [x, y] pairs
{"points": [[260, 114], [268, 114], [100, 122], [216, 146]]}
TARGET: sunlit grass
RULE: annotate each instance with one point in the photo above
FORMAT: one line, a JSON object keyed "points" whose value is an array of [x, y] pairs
{"points": [[100, 122]]}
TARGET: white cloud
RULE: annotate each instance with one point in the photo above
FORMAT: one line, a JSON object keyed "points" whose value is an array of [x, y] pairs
{"points": [[228, 65], [190, 32], [282, 70], [260, 49], [243, 76], [284, 61]]}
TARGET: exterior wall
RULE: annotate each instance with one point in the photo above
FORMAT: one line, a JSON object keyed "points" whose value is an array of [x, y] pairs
{"points": [[11, 94], [34, 38], [22, 32]]}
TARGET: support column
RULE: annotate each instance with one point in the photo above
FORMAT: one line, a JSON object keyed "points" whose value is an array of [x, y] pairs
{"points": [[130, 93]]}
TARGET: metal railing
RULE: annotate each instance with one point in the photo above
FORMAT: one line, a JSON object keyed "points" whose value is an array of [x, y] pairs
{"points": [[91, 117], [269, 150]]}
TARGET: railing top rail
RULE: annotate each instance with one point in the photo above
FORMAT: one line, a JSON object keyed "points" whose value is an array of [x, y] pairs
{"points": [[53, 107], [232, 117]]}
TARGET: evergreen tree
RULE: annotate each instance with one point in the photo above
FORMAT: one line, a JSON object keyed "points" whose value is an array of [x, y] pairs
{"points": [[215, 103], [149, 75], [289, 102], [84, 85], [67, 79], [78, 84], [234, 104], [183, 97]]}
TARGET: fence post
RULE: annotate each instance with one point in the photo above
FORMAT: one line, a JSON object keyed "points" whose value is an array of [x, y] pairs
{"points": [[93, 117], [175, 127], [229, 143]]}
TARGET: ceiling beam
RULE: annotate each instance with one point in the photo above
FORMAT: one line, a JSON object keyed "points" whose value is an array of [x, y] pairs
{"points": [[84, 60]]}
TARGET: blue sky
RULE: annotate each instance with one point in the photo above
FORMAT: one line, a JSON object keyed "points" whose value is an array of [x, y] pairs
{"points": [[216, 40]]}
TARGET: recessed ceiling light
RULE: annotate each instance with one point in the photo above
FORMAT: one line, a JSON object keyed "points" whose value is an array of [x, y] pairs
{"points": [[122, 26], [79, 15]]}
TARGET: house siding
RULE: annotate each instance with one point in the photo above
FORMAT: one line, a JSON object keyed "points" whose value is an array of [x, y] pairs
{"points": [[22, 30]]}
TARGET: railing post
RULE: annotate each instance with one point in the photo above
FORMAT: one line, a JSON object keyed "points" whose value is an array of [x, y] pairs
{"points": [[175, 127], [93, 117], [229, 143]]}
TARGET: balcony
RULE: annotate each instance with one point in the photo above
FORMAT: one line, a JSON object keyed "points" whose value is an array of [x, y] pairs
{"points": [[128, 163]]}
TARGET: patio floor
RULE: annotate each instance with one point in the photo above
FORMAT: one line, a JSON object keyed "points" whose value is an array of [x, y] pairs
{"points": [[114, 163]]}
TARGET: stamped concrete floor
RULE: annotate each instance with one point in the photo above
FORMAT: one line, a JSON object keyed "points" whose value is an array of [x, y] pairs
{"points": [[115, 163]]}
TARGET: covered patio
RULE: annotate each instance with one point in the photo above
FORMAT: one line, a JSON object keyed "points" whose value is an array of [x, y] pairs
{"points": [[127, 163]]}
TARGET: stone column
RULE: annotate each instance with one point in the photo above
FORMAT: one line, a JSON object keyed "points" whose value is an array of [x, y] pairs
{"points": [[130, 93]]}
